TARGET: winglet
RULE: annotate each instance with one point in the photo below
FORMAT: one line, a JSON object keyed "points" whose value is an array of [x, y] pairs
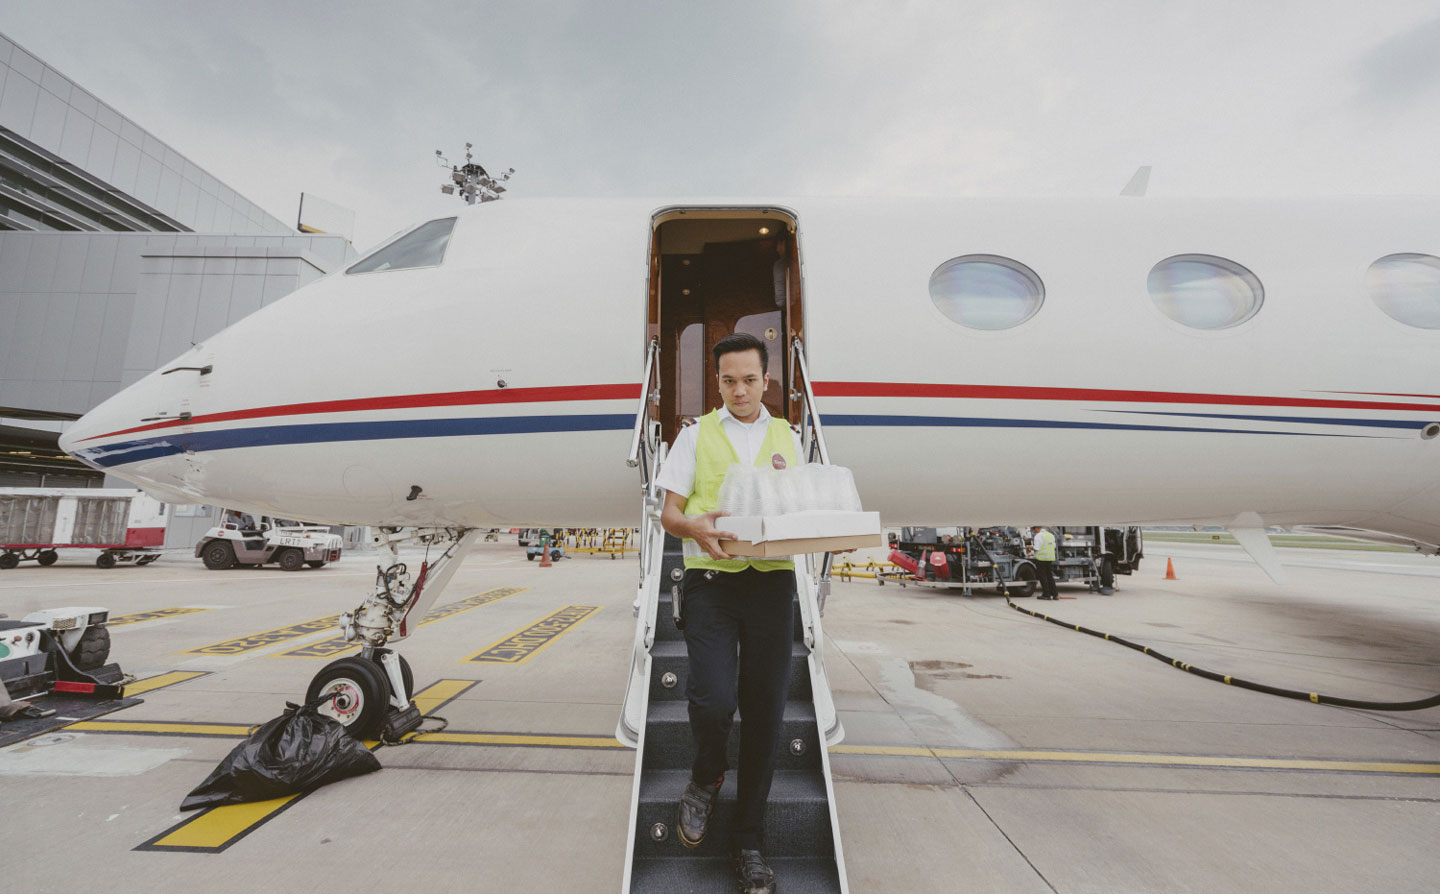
{"points": [[1139, 182], [1249, 531]]}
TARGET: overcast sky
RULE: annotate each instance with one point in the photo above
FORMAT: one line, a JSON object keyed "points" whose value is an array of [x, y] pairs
{"points": [[350, 100]]}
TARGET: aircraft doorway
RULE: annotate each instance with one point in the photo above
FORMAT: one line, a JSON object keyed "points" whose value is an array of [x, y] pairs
{"points": [[716, 271]]}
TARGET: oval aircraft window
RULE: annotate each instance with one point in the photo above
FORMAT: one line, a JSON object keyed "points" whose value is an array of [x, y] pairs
{"points": [[1205, 292], [423, 246], [1407, 287], [986, 291]]}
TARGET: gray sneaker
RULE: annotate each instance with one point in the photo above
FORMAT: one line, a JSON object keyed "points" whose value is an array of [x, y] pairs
{"points": [[696, 804]]}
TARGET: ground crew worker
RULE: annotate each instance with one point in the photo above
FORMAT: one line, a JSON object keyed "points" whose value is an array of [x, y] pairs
{"points": [[1043, 544], [728, 602]]}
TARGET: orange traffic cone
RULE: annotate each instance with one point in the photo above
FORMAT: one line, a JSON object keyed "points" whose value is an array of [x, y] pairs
{"points": [[1170, 570], [545, 555]]}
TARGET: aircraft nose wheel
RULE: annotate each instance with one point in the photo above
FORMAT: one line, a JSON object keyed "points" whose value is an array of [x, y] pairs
{"points": [[361, 695]]}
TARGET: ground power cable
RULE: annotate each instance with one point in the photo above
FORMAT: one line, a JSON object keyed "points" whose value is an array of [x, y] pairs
{"points": [[1228, 680]]}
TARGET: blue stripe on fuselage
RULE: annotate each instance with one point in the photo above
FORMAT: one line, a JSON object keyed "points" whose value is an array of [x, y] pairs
{"points": [[275, 435]]}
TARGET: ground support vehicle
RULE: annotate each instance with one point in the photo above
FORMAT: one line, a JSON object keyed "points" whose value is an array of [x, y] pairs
{"points": [[1094, 554], [291, 545], [536, 549], [126, 525], [964, 557], [62, 650]]}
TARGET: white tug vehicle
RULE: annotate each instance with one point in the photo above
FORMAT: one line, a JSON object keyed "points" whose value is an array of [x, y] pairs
{"points": [[289, 544]]}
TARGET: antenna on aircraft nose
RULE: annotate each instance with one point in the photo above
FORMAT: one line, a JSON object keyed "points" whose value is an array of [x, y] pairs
{"points": [[471, 181]]}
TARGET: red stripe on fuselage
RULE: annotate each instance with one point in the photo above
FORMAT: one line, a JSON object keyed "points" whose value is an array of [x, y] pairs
{"points": [[1026, 392], [405, 402]]}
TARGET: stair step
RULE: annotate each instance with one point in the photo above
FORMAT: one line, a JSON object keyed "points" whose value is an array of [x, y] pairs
{"points": [[797, 816], [668, 745], [713, 875], [671, 657]]}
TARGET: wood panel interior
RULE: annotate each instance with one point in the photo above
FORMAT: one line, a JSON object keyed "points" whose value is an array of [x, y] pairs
{"points": [[714, 272]]}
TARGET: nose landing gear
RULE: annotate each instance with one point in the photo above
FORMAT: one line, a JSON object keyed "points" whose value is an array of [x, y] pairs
{"points": [[373, 689]]}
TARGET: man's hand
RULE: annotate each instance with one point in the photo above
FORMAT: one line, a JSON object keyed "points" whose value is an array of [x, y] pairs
{"points": [[700, 528], [705, 533]]}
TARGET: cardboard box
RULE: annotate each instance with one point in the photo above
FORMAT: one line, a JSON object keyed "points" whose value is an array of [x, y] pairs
{"points": [[776, 536]]}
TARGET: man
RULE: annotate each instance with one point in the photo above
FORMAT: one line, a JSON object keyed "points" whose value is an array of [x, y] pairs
{"points": [[731, 601], [1043, 545]]}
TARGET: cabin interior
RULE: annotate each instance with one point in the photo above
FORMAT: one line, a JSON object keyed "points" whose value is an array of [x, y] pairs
{"points": [[714, 272]]}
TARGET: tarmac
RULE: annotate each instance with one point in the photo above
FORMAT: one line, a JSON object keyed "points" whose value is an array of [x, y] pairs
{"points": [[985, 750]]}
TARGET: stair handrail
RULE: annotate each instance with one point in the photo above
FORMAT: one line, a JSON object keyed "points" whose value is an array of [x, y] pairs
{"points": [[642, 448], [811, 434]]}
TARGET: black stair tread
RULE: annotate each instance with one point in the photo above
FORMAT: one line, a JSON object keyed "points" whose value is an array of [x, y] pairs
{"points": [[704, 875], [665, 786], [675, 648], [678, 711]]}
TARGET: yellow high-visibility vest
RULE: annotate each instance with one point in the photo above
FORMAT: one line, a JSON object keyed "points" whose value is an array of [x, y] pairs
{"points": [[1044, 546], [713, 455]]}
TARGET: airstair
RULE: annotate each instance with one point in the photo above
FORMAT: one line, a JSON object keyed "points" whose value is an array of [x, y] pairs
{"points": [[802, 835]]}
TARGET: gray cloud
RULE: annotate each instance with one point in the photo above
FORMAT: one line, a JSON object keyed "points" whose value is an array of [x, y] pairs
{"points": [[761, 98]]}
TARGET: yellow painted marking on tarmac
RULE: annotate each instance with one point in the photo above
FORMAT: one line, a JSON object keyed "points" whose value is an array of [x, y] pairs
{"points": [[553, 741], [337, 645], [219, 827], [160, 681], [139, 617], [1166, 760], [216, 829], [156, 727], [438, 693], [257, 641], [522, 645]]}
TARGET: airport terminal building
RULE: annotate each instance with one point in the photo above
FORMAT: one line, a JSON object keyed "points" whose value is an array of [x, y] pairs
{"points": [[116, 254]]}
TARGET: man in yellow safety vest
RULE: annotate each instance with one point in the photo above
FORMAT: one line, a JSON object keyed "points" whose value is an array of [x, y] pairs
{"points": [[1043, 544], [730, 602]]}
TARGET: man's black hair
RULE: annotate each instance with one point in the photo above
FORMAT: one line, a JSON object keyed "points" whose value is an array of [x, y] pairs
{"points": [[741, 341]]}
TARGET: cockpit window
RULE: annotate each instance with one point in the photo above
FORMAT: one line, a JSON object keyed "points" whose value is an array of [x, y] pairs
{"points": [[1407, 287], [423, 246]]}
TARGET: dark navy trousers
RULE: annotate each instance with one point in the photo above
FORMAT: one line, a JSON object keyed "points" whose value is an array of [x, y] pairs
{"points": [[739, 627]]}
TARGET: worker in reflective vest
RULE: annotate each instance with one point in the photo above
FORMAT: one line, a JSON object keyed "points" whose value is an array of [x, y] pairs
{"points": [[1043, 544], [728, 602]]}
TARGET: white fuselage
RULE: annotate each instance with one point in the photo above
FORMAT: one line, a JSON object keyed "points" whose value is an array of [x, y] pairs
{"points": [[1099, 409]]}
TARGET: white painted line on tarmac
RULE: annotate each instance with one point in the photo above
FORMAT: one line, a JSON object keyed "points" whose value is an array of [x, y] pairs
{"points": [[228, 577]]}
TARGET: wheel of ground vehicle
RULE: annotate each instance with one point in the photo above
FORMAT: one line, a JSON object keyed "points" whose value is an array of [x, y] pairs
{"points": [[93, 648], [218, 555], [8, 561], [318, 563], [292, 560], [555, 554], [105, 560], [48, 557], [361, 694], [529, 557], [1025, 581]]}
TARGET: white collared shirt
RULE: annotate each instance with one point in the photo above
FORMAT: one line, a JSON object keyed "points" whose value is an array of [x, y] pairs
{"points": [[678, 473]]}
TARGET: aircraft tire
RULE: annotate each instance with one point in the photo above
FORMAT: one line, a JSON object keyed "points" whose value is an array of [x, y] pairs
{"points": [[105, 560], [363, 694], [218, 555], [93, 649], [292, 560]]}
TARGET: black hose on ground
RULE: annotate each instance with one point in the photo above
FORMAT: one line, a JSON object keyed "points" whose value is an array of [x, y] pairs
{"points": [[1176, 663]]}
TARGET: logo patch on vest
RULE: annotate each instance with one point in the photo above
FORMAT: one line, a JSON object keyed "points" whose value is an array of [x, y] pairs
{"points": [[777, 460]]}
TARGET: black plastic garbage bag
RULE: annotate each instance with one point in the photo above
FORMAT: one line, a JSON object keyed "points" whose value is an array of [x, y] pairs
{"points": [[298, 751]]}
